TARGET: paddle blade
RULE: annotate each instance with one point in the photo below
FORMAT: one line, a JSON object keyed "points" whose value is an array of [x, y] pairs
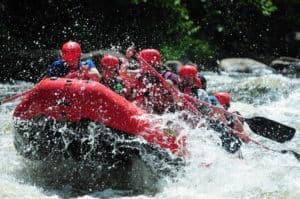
{"points": [[271, 129]]}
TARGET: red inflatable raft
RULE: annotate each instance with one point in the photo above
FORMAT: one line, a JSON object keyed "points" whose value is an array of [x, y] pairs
{"points": [[63, 118]]}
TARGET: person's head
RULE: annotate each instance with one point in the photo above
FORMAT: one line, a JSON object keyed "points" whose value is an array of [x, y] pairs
{"points": [[223, 98], [188, 74], [130, 52], [71, 53], [203, 81], [171, 78], [151, 56], [110, 65]]}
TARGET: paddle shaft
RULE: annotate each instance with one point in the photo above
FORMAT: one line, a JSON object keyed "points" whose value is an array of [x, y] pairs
{"points": [[16, 97], [170, 87], [296, 155]]}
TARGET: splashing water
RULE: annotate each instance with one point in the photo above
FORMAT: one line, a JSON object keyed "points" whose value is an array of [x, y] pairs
{"points": [[210, 172]]}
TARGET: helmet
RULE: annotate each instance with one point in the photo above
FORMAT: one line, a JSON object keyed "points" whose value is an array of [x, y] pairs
{"points": [[187, 71], [151, 56], [71, 50], [109, 62], [223, 98]]}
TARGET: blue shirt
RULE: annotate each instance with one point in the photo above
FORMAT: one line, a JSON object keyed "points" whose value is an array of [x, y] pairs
{"points": [[59, 68], [213, 100]]}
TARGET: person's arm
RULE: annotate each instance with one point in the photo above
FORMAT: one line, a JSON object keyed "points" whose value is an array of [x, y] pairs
{"points": [[237, 127], [123, 65], [91, 70], [202, 95], [239, 130]]}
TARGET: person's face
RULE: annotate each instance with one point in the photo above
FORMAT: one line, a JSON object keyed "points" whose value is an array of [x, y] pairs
{"points": [[72, 63], [72, 60], [110, 73], [129, 53], [187, 81]]}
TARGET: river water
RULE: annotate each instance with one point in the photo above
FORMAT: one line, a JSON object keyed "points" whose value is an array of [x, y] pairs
{"points": [[260, 174]]}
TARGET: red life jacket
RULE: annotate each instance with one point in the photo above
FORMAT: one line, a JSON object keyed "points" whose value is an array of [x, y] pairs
{"points": [[82, 74]]}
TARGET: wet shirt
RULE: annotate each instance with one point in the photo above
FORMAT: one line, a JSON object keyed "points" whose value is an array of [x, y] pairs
{"points": [[59, 68], [116, 85]]}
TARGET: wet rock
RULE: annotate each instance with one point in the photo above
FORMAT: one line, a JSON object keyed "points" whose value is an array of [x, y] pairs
{"points": [[286, 65], [244, 65]]}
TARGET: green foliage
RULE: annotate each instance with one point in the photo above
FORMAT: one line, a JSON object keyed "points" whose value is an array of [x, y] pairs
{"points": [[236, 27], [267, 7], [181, 40], [229, 24], [187, 48], [136, 1], [183, 22]]}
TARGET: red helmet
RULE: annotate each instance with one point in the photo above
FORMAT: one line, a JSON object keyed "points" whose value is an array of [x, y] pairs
{"points": [[71, 50], [188, 71], [223, 98], [151, 56], [109, 62]]}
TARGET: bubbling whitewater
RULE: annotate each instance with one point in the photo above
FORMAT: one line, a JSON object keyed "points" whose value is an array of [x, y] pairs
{"points": [[261, 174]]}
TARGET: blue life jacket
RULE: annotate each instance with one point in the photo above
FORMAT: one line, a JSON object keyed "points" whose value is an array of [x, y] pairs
{"points": [[59, 68]]}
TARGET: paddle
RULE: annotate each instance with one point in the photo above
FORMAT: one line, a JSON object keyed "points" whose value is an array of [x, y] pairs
{"points": [[270, 129], [260, 125], [296, 155], [16, 97]]}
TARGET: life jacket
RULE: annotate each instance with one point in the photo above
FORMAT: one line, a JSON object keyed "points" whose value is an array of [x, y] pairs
{"points": [[119, 86], [59, 68], [83, 71]]}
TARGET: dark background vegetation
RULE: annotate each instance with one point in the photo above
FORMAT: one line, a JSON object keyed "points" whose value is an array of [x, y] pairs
{"points": [[201, 31]]}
